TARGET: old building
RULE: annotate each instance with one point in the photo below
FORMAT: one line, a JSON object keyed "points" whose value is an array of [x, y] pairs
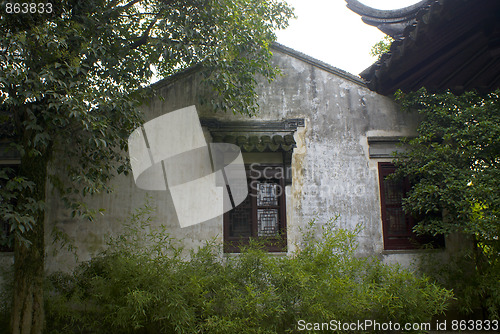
{"points": [[320, 146], [322, 136]]}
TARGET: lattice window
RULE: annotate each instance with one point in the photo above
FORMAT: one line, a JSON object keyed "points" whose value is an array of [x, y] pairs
{"points": [[239, 218], [396, 222], [4, 233], [262, 214], [397, 226], [4, 226], [267, 222], [266, 194]]}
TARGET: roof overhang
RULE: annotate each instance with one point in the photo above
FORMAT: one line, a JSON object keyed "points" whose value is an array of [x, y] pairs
{"points": [[390, 22], [445, 44]]}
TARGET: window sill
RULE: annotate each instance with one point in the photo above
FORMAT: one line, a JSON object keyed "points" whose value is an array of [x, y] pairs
{"points": [[6, 254], [412, 251], [277, 254]]}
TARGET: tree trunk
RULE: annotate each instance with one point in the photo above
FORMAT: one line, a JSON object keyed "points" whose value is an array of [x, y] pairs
{"points": [[27, 308]]}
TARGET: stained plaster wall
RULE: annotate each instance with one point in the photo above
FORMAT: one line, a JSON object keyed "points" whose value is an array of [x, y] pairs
{"points": [[332, 172]]}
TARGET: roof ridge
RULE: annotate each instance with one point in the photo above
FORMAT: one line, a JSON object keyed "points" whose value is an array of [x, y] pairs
{"points": [[317, 63], [278, 47]]}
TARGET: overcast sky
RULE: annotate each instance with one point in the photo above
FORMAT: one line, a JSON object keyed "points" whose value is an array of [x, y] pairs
{"points": [[329, 31]]}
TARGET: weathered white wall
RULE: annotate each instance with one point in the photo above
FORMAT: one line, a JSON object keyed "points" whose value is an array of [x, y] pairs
{"points": [[332, 172]]}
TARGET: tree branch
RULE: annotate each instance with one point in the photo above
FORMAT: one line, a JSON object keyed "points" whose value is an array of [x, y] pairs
{"points": [[145, 35], [127, 6], [120, 9]]}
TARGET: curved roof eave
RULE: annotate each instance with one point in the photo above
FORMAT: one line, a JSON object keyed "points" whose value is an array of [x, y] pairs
{"points": [[391, 22]]}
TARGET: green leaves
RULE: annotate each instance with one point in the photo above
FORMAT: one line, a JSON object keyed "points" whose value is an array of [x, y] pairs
{"points": [[144, 282], [454, 164], [72, 82], [383, 46], [15, 209], [455, 160]]}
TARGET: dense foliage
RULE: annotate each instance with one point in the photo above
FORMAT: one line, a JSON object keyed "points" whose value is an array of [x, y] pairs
{"points": [[73, 73], [454, 166], [142, 284], [73, 77]]}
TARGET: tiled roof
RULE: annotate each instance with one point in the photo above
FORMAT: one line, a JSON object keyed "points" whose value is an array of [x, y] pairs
{"points": [[391, 22], [448, 44]]}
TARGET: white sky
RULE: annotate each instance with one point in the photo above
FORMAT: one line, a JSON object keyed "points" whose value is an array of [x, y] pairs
{"points": [[329, 31]]}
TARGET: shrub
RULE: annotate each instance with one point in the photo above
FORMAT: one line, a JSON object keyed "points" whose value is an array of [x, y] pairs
{"points": [[474, 277], [143, 284], [6, 294]]}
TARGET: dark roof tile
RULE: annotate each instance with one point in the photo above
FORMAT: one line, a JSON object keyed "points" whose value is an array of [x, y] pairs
{"points": [[448, 44]]}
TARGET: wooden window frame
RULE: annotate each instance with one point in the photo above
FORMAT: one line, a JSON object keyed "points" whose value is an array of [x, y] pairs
{"points": [[400, 241], [410, 240], [4, 224], [272, 244]]}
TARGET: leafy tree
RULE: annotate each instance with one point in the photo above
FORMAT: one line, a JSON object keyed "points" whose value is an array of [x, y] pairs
{"points": [[454, 164], [381, 47], [72, 75]]}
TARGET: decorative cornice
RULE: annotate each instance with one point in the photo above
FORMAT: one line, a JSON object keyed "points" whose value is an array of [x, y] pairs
{"points": [[288, 125], [384, 147], [254, 143]]}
